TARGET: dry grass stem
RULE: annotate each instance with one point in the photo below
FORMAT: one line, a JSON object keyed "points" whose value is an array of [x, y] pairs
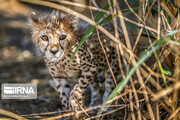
{"points": [[175, 113], [140, 31], [131, 107], [136, 99], [166, 91], [134, 63], [12, 115], [164, 105], [167, 10]]}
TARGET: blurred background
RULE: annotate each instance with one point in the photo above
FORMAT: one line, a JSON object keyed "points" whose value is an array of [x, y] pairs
{"points": [[18, 61]]}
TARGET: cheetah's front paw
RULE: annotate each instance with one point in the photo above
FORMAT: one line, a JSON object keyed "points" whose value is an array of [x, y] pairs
{"points": [[76, 105]]}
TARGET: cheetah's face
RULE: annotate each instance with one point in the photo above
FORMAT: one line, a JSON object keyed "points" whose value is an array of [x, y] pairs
{"points": [[53, 44], [54, 34]]}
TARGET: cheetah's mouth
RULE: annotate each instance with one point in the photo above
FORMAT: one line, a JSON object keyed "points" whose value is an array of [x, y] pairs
{"points": [[54, 58]]}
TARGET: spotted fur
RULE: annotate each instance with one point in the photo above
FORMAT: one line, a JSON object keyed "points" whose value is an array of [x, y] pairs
{"points": [[88, 62]]}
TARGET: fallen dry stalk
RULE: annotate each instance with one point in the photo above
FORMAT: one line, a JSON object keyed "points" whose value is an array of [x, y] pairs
{"points": [[101, 115], [12, 115], [71, 113]]}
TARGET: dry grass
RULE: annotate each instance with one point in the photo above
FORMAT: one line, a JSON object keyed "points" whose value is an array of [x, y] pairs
{"points": [[146, 96]]}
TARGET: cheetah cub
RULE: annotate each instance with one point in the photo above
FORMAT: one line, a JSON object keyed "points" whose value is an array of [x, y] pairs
{"points": [[56, 35]]}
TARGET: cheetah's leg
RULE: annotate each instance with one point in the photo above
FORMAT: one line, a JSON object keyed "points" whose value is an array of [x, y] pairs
{"points": [[63, 88], [109, 84], [76, 96], [96, 93]]}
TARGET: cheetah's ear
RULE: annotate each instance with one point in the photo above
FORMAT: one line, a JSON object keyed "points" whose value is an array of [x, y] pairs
{"points": [[33, 19], [72, 21]]}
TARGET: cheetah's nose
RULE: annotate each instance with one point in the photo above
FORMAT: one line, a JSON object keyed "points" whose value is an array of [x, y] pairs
{"points": [[54, 50]]}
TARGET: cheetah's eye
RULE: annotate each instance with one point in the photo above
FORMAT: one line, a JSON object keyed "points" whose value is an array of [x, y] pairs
{"points": [[62, 37], [44, 37]]}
